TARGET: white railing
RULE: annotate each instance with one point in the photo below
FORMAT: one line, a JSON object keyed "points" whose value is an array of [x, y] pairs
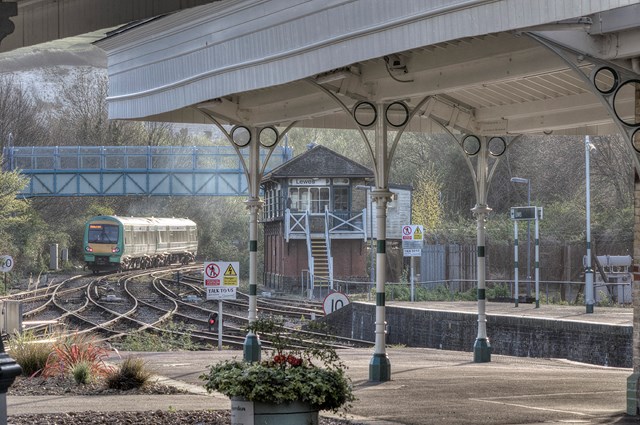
{"points": [[309, 251], [330, 262], [348, 225], [327, 239], [298, 223], [364, 224], [299, 226]]}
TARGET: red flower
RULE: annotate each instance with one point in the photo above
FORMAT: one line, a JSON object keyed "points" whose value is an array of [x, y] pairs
{"points": [[294, 361]]}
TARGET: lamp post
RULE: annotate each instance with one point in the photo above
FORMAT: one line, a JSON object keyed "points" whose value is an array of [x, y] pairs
{"points": [[588, 270], [528, 183]]}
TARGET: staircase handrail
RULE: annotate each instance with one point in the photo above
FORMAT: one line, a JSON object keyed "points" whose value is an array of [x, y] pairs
{"points": [[307, 229], [327, 238], [287, 227], [364, 223]]}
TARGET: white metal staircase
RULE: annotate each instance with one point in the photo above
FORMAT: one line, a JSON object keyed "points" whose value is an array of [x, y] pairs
{"points": [[297, 225], [321, 270]]}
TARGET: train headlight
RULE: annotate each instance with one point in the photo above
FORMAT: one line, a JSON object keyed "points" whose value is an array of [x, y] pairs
{"points": [[88, 249], [115, 249]]}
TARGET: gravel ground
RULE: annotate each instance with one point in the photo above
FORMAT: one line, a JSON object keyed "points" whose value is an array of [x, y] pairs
{"points": [[66, 386]]}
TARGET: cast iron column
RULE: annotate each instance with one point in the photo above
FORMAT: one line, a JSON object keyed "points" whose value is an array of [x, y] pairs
{"points": [[481, 348], [380, 367], [251, 348]]}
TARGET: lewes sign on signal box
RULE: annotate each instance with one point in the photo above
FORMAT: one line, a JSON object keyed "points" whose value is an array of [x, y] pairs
{"points": [[221, 279]]}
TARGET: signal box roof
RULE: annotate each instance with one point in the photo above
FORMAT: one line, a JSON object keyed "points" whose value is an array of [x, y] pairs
{"points": [[319, 161]]}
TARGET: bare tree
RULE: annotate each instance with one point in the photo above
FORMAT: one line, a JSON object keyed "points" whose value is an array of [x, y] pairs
{"points": [[84, 121], [20, 119], [612, 171]]}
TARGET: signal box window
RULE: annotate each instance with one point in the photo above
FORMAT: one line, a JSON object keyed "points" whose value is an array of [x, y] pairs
{"points": [[314, 199]]}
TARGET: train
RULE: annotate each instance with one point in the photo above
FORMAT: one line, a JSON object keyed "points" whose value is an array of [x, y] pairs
{"points": [[114, 243]]}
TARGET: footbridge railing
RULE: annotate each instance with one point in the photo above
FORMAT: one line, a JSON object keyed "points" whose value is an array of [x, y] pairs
{"points": [[132, 170]]}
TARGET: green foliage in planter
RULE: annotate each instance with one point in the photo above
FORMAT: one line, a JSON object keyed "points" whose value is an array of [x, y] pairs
{"points": [[313, 375]]}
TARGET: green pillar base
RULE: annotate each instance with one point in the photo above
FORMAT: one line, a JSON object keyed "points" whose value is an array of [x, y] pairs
{"points": [[482, 351], [589, 308], [537, 303], [379, 368], [633, 408], [251, 348]]}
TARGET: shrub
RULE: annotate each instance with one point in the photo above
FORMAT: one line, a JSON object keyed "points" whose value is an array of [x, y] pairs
{"points": [[498, 291], [81, 372], [75, 349], [30, 352], [313, 375], [132, 373]]}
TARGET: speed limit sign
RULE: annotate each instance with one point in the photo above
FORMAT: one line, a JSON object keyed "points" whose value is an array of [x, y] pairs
{"points": [[334, 301], [6, 263]]}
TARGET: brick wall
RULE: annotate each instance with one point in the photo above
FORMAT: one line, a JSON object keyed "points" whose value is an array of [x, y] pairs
{"points": [[514, 336]]}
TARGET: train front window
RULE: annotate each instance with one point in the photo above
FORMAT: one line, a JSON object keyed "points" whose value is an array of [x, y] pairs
{"points": [[103, 233]]}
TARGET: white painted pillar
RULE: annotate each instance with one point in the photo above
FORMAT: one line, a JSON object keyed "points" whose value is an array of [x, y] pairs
{"points": [[251, 347]]}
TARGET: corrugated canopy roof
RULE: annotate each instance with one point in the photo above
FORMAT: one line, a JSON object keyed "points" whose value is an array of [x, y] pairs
{"points": [[257, 62]]}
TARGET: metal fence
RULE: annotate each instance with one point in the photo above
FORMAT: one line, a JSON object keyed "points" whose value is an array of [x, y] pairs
{"points": [[551, 292]]}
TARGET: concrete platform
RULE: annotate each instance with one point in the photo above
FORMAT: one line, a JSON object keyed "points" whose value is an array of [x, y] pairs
{"points": [[622, 316], [428, 386]]}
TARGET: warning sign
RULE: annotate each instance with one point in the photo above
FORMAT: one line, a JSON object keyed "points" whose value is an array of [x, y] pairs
{"points": [[214, 277], [211, 274], [412, 239], [412, 232], [231, 275], [212, 270], [230, 271]]}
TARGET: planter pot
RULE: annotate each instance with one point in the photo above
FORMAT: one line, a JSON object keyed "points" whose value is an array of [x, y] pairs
{"points": [[245, 412]]}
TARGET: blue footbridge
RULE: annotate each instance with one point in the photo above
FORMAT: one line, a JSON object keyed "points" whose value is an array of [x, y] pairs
{"points": [[133, 170]]}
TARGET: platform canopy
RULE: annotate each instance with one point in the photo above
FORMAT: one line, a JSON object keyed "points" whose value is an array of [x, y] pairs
{"points": [[78, 21], [262, 62]]}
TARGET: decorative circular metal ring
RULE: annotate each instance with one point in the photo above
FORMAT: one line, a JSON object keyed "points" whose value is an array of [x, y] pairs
{"points": [[497, 146], [635, 140], [404, 117], [635, 122], [471, 144], [241, 135], [602, 73], [361, 109], [269, 138]]}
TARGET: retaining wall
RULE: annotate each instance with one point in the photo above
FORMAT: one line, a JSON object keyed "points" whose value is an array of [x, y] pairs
{"points": [[594, 343]]}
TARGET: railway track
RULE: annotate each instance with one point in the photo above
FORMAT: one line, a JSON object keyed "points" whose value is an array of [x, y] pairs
{"points": [[116, 305]]}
